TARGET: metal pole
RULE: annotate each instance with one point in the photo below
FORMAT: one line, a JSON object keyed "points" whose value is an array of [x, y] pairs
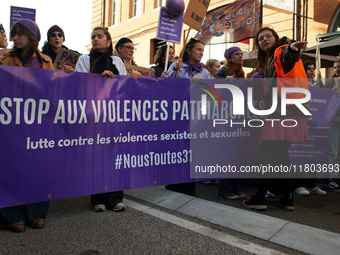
{"points": [[295, 20], [167, 56], [317, 58]]}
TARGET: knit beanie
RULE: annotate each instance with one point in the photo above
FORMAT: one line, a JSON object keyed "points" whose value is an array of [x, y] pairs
{"points": [[54, 28], [31, 26], [122, 41], [231, 51]]}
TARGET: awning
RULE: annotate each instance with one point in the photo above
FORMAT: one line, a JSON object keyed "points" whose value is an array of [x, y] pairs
{"points": [[330, 48], [326, 60]]}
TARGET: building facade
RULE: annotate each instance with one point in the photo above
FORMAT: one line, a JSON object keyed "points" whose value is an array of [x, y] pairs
{"points": [[138, 20]]}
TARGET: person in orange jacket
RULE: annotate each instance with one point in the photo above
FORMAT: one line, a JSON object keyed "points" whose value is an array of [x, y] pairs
{"points": [[279, 59]]}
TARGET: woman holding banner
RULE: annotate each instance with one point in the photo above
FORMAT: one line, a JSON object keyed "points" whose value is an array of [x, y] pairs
{"points": [[279, 59], [191, 67], [26, 36], [101, 61], [233, 65], [230, 188]]}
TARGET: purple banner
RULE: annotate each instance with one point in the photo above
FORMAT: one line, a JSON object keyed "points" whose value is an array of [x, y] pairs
{"points": [[324, 106], [71, 135], [169, 26], [66, 135]]}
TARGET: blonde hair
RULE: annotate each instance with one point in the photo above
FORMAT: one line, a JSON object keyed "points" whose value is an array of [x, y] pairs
{"points": [[210, 63]]}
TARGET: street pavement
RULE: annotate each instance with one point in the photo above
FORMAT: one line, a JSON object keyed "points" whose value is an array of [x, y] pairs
{"points": [[159, 221], [322, 212]]}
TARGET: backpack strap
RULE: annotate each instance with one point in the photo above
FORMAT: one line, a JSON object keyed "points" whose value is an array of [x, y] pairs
{"points": [[23, 61]]}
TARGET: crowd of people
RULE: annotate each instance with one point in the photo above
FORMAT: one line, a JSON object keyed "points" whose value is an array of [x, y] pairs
{"points": [[277, 58]]}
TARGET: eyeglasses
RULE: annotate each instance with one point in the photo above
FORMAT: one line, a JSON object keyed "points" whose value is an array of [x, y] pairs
{"points": [[130, 47], [57, 34]]}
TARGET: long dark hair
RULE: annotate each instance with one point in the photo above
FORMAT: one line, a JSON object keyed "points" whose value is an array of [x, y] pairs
{"points": [[160, 54], [261, 63], [308, 63], [33, 43], [189, 46], [109, 50], [239, 73]]}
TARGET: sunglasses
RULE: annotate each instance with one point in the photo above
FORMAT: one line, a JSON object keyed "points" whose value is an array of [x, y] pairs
{"points": [[57, 34]]}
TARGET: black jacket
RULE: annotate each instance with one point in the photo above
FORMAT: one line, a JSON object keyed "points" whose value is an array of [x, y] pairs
{"points": [[47, 49], [222, 73]]}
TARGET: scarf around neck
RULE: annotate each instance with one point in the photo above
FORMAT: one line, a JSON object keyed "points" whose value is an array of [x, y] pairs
{"points": [[193, 67]]}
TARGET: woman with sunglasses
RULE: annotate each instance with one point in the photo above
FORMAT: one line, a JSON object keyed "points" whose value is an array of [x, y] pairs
{"points": [[101, 61], [55, 41], [26, 36], [191, 67]]}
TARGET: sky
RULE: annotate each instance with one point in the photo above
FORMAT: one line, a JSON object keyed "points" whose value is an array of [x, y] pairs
{"points": [[73, 16]]}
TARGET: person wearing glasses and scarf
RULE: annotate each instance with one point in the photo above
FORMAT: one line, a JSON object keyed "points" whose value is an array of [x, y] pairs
{"points": [[55, 41], [191, 67]]}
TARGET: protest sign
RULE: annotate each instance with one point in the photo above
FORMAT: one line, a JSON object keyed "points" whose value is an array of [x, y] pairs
{"points": [[195, 13], [169, 26], [144, 71], [21, 13], [65, 56]]}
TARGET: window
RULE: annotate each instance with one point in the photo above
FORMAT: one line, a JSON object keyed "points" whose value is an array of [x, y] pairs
{"points": [[114, 12], [159, 3], [155, 45], [135, 9]]}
